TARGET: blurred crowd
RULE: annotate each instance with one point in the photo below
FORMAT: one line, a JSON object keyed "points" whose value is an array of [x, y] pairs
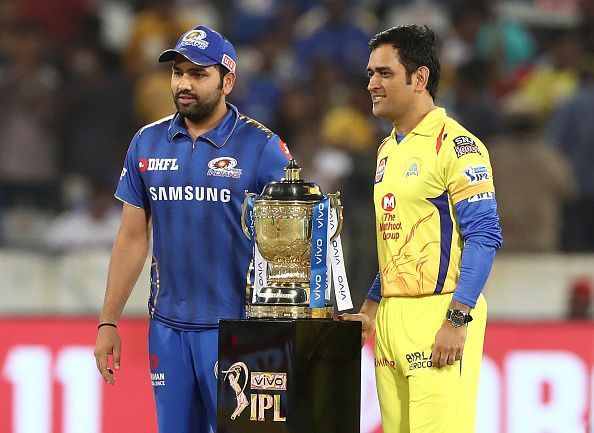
{"points": [[79, 77]]}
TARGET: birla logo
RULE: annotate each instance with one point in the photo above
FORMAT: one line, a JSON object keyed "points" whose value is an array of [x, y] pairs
{"points": [[389, 202], [157, 164]]}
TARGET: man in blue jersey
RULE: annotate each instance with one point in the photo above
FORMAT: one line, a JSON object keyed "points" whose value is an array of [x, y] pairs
{"points": [[183, 180]]}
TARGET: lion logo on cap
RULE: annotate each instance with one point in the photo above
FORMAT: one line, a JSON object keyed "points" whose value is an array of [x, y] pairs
{"points": [[195, 38]]}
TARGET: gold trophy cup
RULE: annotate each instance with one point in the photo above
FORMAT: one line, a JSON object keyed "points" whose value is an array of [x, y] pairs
{"points": [[282, 227]]}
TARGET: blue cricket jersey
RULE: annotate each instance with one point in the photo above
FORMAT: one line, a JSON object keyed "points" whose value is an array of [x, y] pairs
{"points": [[194, 190]]}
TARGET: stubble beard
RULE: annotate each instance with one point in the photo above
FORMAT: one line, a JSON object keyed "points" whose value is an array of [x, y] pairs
{"points": [[201, 110]]}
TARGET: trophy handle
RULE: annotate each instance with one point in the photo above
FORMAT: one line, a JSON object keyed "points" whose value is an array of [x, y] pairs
{"points": [[244, 226], [335, 204], [249, 286]]}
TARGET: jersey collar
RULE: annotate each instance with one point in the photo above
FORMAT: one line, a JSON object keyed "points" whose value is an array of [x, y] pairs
{"points": [[426, 127], [217, 136]]}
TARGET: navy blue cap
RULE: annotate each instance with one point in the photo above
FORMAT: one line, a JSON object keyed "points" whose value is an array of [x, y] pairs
{"points": [[204, 47]]}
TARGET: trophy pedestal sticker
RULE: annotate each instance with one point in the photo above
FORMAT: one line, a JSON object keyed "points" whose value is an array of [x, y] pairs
{"points": [[289, 376], [293, 227]]}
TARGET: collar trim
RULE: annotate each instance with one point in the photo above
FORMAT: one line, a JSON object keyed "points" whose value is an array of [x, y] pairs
{"points": [[218, 136]]}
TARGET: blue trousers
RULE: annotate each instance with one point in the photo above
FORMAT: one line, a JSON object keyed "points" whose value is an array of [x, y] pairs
{"points": [[182, 367]]}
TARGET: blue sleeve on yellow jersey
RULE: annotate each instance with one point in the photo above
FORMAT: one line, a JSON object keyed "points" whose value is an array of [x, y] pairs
{"points": [[479, 225], [375, 293]]}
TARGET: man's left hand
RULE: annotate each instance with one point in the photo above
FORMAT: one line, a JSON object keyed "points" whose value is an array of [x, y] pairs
{"points": [[449, 345]]}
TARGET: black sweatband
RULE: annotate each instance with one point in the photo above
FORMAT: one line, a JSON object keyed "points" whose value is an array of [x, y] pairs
{"points": [[107, 324]]}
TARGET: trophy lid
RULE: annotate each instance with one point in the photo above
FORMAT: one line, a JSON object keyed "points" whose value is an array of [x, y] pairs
{"points": [[292, 187]]}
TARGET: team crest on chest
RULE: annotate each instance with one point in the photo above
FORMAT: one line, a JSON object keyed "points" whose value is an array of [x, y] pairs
{"points": [[413, 168], [224, 166]]}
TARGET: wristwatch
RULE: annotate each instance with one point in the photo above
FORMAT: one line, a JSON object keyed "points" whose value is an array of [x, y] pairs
{"points": [[458, 317]]}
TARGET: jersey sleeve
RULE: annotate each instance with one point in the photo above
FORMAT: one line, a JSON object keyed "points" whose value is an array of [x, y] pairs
{"points": [[131, 188], [375, 292], [463, 163], [273, 160], [479, 225]]}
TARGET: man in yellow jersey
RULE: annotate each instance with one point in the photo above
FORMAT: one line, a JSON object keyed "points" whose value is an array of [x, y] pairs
{"points": [[437, 235]]}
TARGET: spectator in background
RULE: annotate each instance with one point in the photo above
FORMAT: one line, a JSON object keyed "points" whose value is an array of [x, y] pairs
{"points": [[9, 17], [580, 300], [554, 78], [96, 96], [350, 130], [533, 183], [154, 29], [259, 90], [473, 104], [29, 115], [586, 25], [333, 34], [458, 46], [93, 225], [246, 21], [571, 129], [506, 44], [466, 17]]}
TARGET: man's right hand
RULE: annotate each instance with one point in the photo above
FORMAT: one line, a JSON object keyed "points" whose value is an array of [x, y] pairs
{"points": [[367, 318], [108, 344]]}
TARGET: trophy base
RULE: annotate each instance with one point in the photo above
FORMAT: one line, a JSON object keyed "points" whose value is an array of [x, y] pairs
{"points": [[279, 311]]}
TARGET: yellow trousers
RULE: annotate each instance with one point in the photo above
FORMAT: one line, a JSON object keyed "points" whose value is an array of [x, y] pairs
{"points": [[414, 396]]}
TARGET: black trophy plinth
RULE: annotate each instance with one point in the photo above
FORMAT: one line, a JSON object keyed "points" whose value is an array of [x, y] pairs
{"points": [[289, 376]]}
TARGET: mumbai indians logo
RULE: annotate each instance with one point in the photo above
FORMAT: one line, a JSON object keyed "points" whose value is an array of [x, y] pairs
{"points": [[195, 38], [238, 377], [224, 167]]}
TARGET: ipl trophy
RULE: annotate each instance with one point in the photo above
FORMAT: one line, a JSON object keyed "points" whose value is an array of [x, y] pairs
{"points": [[292, 279], [288, 367]]}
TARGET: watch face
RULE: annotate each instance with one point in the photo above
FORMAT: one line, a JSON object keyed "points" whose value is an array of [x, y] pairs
{"points": [[456, 317]]}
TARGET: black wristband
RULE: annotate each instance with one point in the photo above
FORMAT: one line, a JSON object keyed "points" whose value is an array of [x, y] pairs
{"points": [[107, 324]]}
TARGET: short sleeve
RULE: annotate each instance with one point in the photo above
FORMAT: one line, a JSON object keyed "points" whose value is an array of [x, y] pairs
{"points": [[130, 186], [464, 165], [273, 160]]}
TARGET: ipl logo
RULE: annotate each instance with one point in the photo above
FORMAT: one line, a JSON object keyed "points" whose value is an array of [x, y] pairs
{"points": [[238, 384], [238, 377]]}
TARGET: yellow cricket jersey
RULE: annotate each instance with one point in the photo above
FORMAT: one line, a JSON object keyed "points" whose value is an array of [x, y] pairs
{"points": [[417, 183]]}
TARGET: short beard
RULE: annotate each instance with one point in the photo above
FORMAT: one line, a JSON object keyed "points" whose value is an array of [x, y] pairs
{"points": [[202, 110]]}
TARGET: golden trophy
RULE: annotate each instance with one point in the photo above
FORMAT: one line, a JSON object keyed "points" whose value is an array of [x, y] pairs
{"points": [[281, 223]]}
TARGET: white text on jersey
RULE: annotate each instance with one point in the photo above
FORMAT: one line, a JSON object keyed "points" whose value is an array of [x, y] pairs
{"points": [[188, 193], [158, 164]]}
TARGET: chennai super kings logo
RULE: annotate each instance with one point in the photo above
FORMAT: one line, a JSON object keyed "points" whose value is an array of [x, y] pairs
{"points": [[238, 377]]}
